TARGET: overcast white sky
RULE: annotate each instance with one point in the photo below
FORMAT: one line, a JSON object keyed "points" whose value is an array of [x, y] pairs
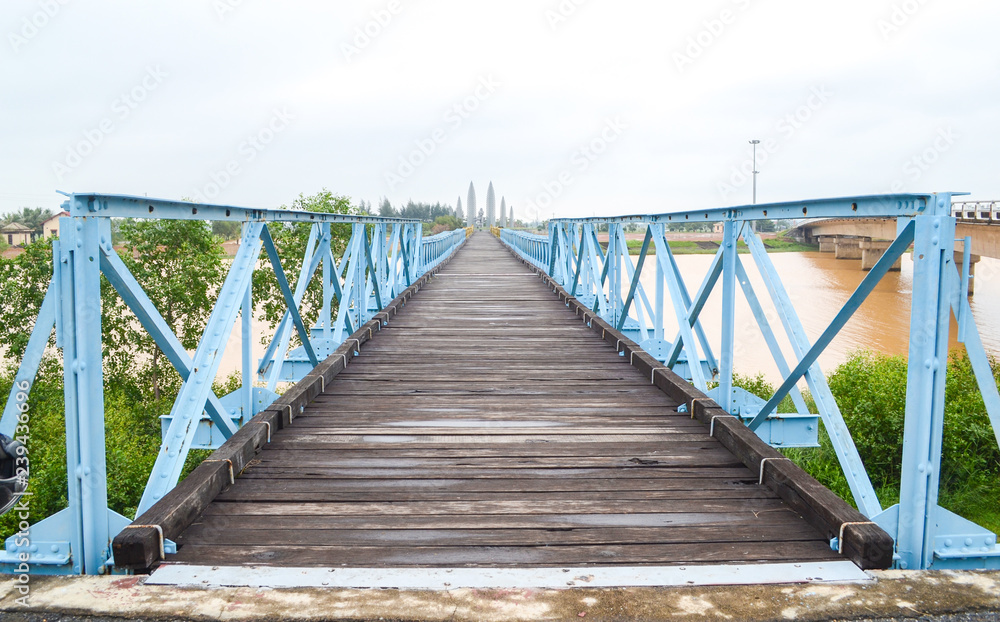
{"points": [[576, 107]]}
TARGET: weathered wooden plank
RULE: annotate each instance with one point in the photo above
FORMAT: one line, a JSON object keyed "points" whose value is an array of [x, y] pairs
{"points": [[524, 506], [789, 531], [307, 483], [707, 477], [316, 492], [539, 555], [310, 458], [778, 519]]}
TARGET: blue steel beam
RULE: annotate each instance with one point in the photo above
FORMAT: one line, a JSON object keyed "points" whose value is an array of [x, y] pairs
{"points": [[867, 285], [128, 206], [30, 361], [373, 275], [933, 263], [768, 333], [864, 206], [692, 322], [730, 239], [687, 340], [695, 308], [83, 378], [186, 411], [634, 285], [278, 347], [980, 363], [286, 291], [633, 274], [145, 311], [840, 437]]}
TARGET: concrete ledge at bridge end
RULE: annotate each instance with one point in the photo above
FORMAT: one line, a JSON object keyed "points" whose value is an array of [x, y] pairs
{"points": [[971, 596]]}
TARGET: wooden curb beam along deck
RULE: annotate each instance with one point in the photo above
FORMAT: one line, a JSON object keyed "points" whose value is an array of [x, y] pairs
{"points": [[486, 425]]}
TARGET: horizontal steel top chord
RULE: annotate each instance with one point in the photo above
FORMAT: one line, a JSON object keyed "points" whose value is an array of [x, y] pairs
{"points": [[868, 206], [129, 206]]}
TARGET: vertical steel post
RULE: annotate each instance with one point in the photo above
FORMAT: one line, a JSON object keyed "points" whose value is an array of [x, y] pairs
{"points": [[615, 285], [658, 321], [80, 280], [247, 354], [730, 237], [930, 318], [329, 273]]}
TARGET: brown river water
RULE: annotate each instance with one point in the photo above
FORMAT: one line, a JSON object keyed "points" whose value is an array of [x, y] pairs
{"points": [[819, 285]]}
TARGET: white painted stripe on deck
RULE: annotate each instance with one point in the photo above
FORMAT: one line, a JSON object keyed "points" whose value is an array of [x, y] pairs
{"points": [[184, 575]]}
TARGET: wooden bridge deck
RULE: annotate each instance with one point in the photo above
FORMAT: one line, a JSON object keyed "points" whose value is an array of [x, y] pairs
{"points": [[488, 426]]}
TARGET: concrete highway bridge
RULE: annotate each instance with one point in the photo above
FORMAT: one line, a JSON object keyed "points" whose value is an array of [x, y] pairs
{"points": [[868, 238]]}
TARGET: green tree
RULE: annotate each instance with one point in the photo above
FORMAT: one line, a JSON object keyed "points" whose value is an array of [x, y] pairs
{"points": [[24, 279], [291, 240], [386, 210], [445, 223], [179, 264], [227, 229]]}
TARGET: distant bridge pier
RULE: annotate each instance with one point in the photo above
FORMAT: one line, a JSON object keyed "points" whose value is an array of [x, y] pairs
{"points": [[849, 247], [872, 251], [973, 260], [827, 243]]}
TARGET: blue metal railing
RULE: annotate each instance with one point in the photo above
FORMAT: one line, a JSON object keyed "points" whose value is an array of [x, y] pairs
{"points": [[534, 249], [608, 281], [437, 248], [383, 257]]}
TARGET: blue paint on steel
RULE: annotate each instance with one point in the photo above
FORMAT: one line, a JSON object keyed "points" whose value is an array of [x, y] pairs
{"points": [[77, 539], [30, 361], [286, 291], [881, 268], [80, 285], [665, 258], [963, 317], [695, 310], [131, 292], [928, 535], [186, 411], [840, 436], [768, 333], [729, 247], [374, 271]]}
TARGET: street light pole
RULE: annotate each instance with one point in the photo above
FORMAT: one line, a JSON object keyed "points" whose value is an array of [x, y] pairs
{"points": [[755, 171]]}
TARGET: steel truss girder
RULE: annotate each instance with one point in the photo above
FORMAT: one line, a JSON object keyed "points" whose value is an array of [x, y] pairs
{"points": [[927, 535], [186, 411], [77, 539]]}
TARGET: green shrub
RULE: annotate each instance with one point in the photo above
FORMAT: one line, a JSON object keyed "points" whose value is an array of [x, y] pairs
{"points": [[870, 390]]}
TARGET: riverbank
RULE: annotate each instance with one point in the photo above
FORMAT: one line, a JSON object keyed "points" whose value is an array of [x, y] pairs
{"points": [[710, 247], [690, 243]]}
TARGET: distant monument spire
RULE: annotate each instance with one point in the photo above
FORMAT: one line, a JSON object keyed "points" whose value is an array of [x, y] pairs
{"points": [[491, 206], [471, 205], [459, 214], [503, 212]]}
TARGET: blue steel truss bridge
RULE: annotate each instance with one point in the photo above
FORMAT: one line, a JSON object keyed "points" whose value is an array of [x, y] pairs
{"points": [[501, 401]]}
